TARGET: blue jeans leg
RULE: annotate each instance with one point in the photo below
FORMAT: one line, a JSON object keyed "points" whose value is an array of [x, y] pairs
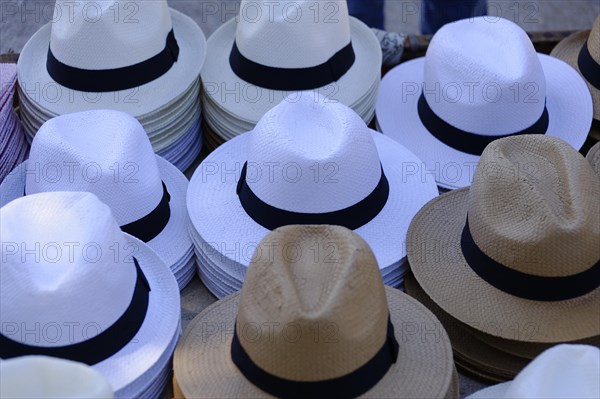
{"points": [[368, 11], [436, 13]]}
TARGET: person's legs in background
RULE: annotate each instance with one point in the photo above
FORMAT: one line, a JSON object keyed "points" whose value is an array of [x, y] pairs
{"points": [[368, 11], [436, 13]]}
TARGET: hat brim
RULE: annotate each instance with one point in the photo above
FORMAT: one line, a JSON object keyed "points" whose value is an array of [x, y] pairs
{"points": [[203, 366], [349, 89], [150, 97], [568, 102], [135, 368], [172, 243], [219, 218], [435, 257], [593, 156], [568, 50]]}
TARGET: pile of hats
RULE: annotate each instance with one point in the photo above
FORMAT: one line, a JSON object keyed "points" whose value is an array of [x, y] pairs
{"points": [[74, 286], [511, 265], [272, 49], [288, 333], [148, 66], [478, 82], [13, 146], [108, 153], [309, 161]]}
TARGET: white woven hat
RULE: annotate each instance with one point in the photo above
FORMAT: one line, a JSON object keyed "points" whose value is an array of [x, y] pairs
{"points": [[108, 153], [46, 377], [563, 371], [75, 286], [135, 57], [272, 48], [310, 161], [480, 80]]}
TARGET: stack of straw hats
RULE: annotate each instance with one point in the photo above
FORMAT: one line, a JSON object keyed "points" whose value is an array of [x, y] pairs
{"points": [[108, 153], [480, 80], [307, 161], [13, 146], [74, 286], [138, 57], [272, 49], [511, 265], [315, 325]]}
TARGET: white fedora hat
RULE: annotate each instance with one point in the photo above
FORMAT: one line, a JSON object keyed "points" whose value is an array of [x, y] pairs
{"points": [[273, 48], [108, 153], [46, 377], [563, 371], [310, 161], [362, 347], [135, 57], [74, 286], [480, 80]]}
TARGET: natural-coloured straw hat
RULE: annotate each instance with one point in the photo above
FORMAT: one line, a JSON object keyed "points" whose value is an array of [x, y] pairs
{"points": [[581, 50], [521, 245], [312, 323], [593, 156]]}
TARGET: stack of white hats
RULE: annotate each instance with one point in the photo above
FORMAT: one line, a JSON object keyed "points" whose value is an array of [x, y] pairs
{"points": [[108, 153], [272, 49], [138, 57], [13, 146], [308, 161]]}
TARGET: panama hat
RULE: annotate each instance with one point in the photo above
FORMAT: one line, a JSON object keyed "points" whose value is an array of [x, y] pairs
{"points": [[529, 250], [108, 153], [342, 294], [271, 49], [47, 377], [142, 58], [75, 286], [309, 161], [564, 371], [479, 81], [13, 147], [581, 50], [593, 156]]}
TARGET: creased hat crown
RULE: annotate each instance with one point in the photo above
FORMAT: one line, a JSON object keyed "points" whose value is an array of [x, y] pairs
{"points": [[108, 34], [483, 70], [328, 308], [533, 206]]}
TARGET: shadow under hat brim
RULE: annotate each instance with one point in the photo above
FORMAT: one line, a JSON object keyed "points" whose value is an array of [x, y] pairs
{"points": [[150, 97], [568, 50], [171, 244], [568, 102], [435, 257], [424, 369], [349, 89], [219, 218]]}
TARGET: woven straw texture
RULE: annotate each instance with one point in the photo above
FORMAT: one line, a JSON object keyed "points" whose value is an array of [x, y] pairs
{"points": [[347, 293], [593, 156], [515, 219], [568, 51]]}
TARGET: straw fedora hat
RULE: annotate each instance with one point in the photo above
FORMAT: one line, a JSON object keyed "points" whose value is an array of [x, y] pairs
{"points": [[529, 250], [564, 371], [142, 50], [41, 377], [307, 161], [75, 286], [447, 106], [593, 156], [225, 352], [108, 153], [581, 50], [270, 49]]}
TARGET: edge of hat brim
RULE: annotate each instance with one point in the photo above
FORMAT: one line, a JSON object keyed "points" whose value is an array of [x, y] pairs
{"points": [[35, 52], [193, 374], [568, 50], [593, 157], [450, 282]]}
